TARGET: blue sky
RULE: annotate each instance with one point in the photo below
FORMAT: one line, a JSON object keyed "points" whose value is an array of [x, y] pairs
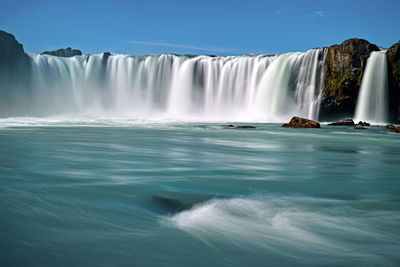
{"points": [[198, 27]]}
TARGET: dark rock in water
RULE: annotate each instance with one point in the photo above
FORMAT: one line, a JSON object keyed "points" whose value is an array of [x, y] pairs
{"points": [[64, 52], [245, 127], [391, 127], [228, 126], [364, 123], [297, 122], [344, 66], [393, 61], [346, 122], [359, 127], [397, 130]]}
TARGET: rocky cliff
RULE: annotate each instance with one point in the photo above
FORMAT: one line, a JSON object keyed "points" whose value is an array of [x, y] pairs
{"points": [[393, 59], [344, 66], [14, 70], [13, 59], [64, 52]]}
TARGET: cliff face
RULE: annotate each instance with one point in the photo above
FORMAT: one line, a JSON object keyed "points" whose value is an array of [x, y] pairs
{"points": [[13, 59], [393, 59], [344, 67], [14, 70]]}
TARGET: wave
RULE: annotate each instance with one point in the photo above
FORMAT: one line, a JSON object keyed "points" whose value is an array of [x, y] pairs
{"points": [[295, 227]]}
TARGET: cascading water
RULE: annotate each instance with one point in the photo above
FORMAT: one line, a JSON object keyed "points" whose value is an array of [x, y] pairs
{"points": [[373, 96], [237, 88]]}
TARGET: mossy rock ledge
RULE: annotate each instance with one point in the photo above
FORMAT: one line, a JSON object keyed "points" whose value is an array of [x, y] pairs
{"points": [[393, 60], [344, 66]]}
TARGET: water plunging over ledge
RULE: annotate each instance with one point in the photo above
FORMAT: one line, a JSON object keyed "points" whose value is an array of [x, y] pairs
{"points": [[372, 101], [239, 88]]}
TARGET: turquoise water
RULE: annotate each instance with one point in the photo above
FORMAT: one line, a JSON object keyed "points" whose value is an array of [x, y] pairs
{"points": [[109, 193]]}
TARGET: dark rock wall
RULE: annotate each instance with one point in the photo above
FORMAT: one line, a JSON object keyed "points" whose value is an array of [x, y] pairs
{"points": [[344, 66], [393, 59], [14, 73]]}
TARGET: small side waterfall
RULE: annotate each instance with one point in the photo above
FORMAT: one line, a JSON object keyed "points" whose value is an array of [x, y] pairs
{"points": [[236, 88], [372, 100]]}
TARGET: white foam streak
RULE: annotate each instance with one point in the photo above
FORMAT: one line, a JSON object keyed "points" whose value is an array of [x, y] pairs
{"points": [[303, 224]]}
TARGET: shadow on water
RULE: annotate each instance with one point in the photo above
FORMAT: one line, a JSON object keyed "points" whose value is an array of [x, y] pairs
{"points": [[174, 202]]}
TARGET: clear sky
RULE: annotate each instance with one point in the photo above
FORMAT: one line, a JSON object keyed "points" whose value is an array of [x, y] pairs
{"points": [[230, 27]]}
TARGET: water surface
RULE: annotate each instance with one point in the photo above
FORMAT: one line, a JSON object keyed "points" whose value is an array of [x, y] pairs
{"points": [[128, 193]]}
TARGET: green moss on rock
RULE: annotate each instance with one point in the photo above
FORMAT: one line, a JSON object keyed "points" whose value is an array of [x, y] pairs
{"points": [[393, 59], [344, 67]]}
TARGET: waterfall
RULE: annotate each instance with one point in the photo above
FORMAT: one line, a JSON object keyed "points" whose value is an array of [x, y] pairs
{"points": [[372, 101], [235, 88]]}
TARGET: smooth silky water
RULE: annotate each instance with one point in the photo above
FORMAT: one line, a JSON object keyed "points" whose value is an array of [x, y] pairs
{"points": [[137, 193]]}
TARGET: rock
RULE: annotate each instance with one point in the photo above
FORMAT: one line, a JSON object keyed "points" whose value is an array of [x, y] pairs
{"points": [[12, 56], [397, 130], [391, 127], [364, 123], [227, 126], [64, 52], [344, 66], [346, 122], [244, 127], [393, 60], [359, 127], [297, 122], [15, 71]]}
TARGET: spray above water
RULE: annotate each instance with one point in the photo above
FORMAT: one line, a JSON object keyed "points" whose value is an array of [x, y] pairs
{"points": [[373, 96]]}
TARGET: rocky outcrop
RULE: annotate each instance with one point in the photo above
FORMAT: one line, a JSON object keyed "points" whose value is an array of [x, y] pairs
{"points": [[363, 123], [64, 52], [393, 60], [344, 67], [12, 56], [391, 127], [346, 122], [14, 72], [297, 122]]}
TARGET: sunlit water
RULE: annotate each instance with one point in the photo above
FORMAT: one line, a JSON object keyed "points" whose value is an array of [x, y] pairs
{"points": [[131, 193]]}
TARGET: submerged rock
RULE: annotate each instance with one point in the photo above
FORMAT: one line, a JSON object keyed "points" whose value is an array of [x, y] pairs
{"points": [[64, 52], [297, 122], [227, 126], [359, 127], [344, 66], [364, 123], [346, 122], [245, 127]]}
